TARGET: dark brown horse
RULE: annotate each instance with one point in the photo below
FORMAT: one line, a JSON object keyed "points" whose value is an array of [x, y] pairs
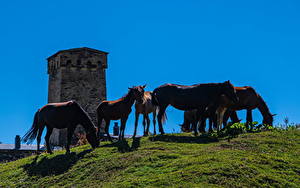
{"points": [[249, 100], [190, 120], [61, 115], [198, 96], [119, 109]]}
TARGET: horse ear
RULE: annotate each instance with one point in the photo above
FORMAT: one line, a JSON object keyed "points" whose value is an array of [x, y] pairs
{"points": [[144, 86]]}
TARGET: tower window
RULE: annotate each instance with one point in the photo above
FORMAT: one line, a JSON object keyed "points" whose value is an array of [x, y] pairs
{"points": [[89, 64], [69, 62]]}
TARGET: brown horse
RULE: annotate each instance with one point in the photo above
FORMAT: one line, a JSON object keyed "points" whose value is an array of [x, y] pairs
{"points": [[198, 96], [119, 109], [61, 115], [190, 120], [249, 99], [145, 107]]}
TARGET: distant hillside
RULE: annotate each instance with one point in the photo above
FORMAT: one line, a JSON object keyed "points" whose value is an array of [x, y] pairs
{"points": [[179, 160]]}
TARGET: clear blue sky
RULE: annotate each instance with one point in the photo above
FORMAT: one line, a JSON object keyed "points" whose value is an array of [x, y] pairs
{"points": [[254, 43]]}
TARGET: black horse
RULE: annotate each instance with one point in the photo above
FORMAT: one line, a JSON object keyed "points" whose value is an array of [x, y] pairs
{"points": [[198, 96], [61, 115]]}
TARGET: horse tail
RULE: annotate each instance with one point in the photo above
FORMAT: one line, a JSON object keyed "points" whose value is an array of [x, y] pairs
{"points": [[32, 133], [164, 116]]}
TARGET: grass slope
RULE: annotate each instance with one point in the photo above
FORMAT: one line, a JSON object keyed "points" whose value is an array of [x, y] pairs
{"points": [[179, 160]]}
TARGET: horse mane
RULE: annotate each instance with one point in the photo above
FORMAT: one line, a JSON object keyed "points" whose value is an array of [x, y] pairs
{"points": [[147, 96], [262, 106], [191, 86]]}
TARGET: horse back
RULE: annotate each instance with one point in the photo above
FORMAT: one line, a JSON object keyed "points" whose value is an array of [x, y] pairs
{"points": [[59, 115]]}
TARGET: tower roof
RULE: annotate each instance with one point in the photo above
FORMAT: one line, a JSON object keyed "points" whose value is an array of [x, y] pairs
{"points": [[78, 50]]}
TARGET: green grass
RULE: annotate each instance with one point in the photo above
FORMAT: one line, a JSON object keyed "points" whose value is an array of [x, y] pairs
{"points": [[263, 159]]}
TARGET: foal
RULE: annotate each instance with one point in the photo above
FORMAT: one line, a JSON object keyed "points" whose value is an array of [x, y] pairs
{"points": [[119, 109], [145, 107]]}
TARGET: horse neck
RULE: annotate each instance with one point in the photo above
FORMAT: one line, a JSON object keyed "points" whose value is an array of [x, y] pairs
{"points": [[263, 108], [129, 99], [84, 120], [217, 90]]}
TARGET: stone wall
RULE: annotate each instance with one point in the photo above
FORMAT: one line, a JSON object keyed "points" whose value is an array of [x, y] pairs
{"points": [[12, 155]]}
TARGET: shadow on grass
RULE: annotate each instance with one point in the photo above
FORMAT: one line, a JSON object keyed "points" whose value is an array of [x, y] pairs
{"points": [[53, 166], [202, 139], [123, 145]]}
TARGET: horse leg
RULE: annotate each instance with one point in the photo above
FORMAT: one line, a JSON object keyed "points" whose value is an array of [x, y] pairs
{"points": [[249, 118], [199, 115], [210, 122], [144, 124], [41, 128], [47, 137], [202, 124], [154, 122], [226, 116], [136, 123], [123, 124], [160, 115], [194, 124], [148, 124], [234, 117], [107, 122], [70, 131], [220, 116]]}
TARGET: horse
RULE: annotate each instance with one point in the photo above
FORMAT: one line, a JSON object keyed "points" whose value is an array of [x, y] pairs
{"points": [[119, 109], [145, 107], [198, 96], [191, 120], [249, 99], [61, 115]]}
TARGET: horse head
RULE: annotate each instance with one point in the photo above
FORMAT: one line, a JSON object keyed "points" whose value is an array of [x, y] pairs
{"points": [[229, 91], [92, 138], [137, 92], [185, 128], [268, 119]]}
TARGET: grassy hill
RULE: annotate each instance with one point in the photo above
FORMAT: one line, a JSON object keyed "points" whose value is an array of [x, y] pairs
{"points": [[180, 160]]}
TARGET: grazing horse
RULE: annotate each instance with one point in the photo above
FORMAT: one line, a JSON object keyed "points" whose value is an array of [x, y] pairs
{"points": [[249, 99], [61, 115], [145, 107], [190, 120], [119, 109], [198, 96]]}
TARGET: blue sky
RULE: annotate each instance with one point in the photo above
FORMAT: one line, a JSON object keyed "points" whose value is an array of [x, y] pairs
{"points": [[253, 43]]}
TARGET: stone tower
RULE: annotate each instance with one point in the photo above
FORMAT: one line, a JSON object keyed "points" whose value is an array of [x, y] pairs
{"points": [[77, 74]]}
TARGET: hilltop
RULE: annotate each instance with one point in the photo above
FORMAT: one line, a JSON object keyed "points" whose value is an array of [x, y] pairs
{"points": [[262, 159]]}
